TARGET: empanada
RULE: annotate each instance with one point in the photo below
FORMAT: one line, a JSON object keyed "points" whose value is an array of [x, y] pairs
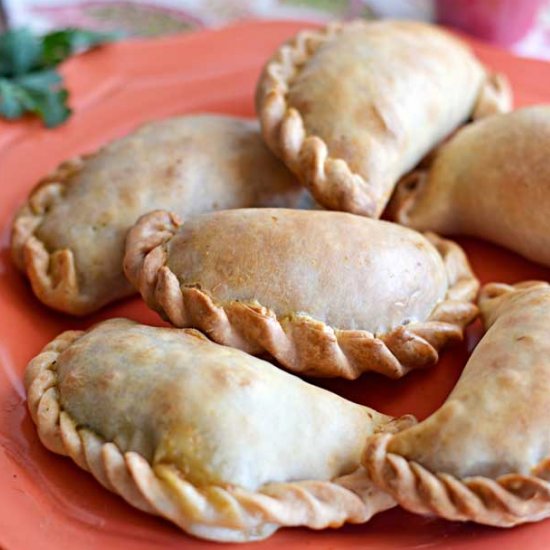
{"points": [[352, 107], [491, 180], [69, 237], [225, 445], [325, 293], [485, 454]]}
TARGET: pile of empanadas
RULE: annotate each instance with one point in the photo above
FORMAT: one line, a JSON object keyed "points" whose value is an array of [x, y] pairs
{"points": [[200, 423]]}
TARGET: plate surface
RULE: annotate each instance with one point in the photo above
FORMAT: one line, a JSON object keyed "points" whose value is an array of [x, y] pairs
{"points": [[46, 501]]}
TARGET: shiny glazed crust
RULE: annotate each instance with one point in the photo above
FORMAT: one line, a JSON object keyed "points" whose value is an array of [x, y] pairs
{"points": [[223, 513], [330, 179], [299, 342], [503, 501]]}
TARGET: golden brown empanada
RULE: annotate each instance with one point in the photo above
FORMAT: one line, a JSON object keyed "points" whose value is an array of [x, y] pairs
{"points": [[485, 454], [69, 237], [352, 107], [491, 180], [325, 293], [225, 445]]}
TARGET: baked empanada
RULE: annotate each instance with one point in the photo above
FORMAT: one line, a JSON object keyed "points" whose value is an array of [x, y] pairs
{"points": [[69, 237], [491, 180], [484, 455], [352, 107], [225, 445], [324, 293]]}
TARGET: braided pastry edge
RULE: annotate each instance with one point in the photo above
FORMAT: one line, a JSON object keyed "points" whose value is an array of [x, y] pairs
{"points": [[298, 342], [52, 275], [224, 513], [331, 180], [506, 501]]}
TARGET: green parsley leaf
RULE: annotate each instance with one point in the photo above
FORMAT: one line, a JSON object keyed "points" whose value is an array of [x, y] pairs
{"points": [[40, 93], [20, 52], [38, 80], [28, 81], [12, 102], [59, 45], [51, 106]]}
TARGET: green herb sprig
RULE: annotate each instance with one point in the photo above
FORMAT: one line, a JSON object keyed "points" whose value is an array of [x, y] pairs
{"points": [[29, 80]]}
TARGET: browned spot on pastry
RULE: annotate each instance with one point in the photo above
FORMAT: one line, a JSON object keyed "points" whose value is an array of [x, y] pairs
{"points": [[226, 377], [525, 338]]}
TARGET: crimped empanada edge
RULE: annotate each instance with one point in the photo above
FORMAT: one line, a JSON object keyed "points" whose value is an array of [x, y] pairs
{"points": [[224, 513], [52, 275], [504, 501], [299, 342], [331, 181]]}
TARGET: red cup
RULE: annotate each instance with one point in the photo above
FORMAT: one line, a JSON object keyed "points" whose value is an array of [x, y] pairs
{"points": [[501, 21]]}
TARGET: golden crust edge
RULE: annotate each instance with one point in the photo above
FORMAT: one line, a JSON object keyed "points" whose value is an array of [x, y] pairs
{"points": [[256, 329], [216, 512], [52, 275], [330, 180], [505, 501]]}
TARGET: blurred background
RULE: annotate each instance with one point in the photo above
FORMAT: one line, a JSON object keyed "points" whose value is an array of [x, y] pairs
{"points": [[520, 25]]}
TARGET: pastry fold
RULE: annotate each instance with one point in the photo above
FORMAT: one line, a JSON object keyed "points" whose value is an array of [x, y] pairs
{"points": [[324, 293], [352, 107], [491, 180], [69, 236], [225, 445], [484, 455]]}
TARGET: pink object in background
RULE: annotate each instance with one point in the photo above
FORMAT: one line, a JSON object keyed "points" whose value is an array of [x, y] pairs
{"points": [[501, 21]]}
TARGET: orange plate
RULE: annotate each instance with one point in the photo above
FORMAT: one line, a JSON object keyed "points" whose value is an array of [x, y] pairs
{"points": [[46, 501]]}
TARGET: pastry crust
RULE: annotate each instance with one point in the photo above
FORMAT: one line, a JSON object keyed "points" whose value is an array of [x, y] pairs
{"points": [[214, 283], [491, 180], [160, 484], [69, 236], [484, 456], [350, 148]]}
